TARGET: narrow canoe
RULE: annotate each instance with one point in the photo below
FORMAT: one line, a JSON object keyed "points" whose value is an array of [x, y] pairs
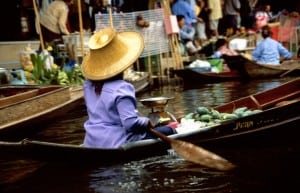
{"points": [[255, 135], [140, 80], [192, 76], [22, 106], [251, 69]]}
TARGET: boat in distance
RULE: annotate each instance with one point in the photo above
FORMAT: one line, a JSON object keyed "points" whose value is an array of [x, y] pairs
{"points": [[192, 76], [251, 69]]}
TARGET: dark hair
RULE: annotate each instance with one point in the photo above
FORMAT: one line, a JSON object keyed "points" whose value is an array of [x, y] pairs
{"points": [[67, 1], [179, 17], [98, 84], [220, 42], [266, 31]]}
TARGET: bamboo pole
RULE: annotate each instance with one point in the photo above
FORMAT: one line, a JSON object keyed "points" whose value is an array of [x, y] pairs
{"points": [[173, 39], [80, 27], [110, 16], [37, 15]]}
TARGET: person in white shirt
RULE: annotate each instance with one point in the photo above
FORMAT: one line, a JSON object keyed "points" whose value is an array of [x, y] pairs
{"points": [[54, 20]]}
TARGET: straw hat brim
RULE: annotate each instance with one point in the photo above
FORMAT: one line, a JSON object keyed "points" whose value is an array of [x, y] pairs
{"points": [[111, 53]]}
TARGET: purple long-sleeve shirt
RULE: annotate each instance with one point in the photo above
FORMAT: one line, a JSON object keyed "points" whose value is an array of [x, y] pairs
{"points": [[112, 116]]}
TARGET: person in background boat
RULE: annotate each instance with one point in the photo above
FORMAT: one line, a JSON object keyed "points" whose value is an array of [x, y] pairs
{"points": [[223, 49], [272, 17], [113, 119], [261, 18], [268, 50], [54, 20]]}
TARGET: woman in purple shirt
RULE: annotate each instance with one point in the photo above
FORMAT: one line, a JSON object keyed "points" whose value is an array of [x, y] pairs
{"points": [[113, 119]]}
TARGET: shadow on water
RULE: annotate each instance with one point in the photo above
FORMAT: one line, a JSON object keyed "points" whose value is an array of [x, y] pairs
{"points": [[168, 173]]}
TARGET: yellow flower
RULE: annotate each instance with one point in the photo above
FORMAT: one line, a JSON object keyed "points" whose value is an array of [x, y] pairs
{"points": [[49, 48], [54, 66], [28, 67]]}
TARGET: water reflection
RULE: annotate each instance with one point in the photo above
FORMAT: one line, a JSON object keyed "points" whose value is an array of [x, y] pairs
{"points": [[163, 174]]}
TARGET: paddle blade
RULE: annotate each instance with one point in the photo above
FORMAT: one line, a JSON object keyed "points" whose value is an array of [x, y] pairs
{"points": [[201, 156]]}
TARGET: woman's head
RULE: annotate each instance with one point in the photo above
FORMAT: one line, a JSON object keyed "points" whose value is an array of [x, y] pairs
{"points": [[111, 53], [266, 31]]}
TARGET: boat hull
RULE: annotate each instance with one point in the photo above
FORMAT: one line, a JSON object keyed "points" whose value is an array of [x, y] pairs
{"points": [[192, 77], [267, 142], [252, 69], [32, 105], [261, 137]]}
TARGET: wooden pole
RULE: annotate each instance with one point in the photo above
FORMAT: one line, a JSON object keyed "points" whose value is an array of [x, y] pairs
{"points": [[37, 15], [110, 16], [80, 28], [175, 49]]}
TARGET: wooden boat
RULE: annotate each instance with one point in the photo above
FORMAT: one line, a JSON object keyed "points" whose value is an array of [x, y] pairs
{"points": [[252, 136], [22, 106], [251, 69], [140, 80], [192, 76]]}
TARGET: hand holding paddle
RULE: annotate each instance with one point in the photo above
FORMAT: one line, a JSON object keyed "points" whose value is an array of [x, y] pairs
{"points": [[195, 153]]}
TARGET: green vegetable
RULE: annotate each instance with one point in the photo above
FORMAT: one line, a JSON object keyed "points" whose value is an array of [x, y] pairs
{"points": [[256, 111], [247, 113], [240, 111], [215, 114], [202, 110], [189, 116], [205, 118], [227, 116]]}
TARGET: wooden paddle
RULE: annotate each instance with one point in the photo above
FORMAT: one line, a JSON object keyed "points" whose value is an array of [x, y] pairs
{"points": [[286, 72], [196, 154]]}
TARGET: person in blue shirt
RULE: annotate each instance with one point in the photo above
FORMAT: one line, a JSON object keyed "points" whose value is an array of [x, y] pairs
{"points": [[187, 35], [268, 50], [113, 119], [181, 7]]}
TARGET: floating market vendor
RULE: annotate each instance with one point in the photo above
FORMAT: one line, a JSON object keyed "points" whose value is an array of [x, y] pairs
{"points": [[113, 119], [268, 50]]}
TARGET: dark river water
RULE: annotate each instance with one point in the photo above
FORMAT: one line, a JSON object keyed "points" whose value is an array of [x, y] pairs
{"points": [[168, 173]]}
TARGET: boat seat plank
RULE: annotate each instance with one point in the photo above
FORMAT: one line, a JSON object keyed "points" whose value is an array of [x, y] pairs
{"points": [[230, 107], [255, 101], [5, 101], [264, 100], [279, 99]]}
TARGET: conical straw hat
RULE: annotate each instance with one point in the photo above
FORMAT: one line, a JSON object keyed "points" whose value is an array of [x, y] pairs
{"points": [[111, 53]]}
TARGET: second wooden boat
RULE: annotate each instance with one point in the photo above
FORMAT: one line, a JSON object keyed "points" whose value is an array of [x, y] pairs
{"points": [[139, 79], [192, 76], [23, 106], [251, 69]]}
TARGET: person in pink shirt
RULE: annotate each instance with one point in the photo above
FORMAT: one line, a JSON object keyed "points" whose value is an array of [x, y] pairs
{"points": [[223, 49]]}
